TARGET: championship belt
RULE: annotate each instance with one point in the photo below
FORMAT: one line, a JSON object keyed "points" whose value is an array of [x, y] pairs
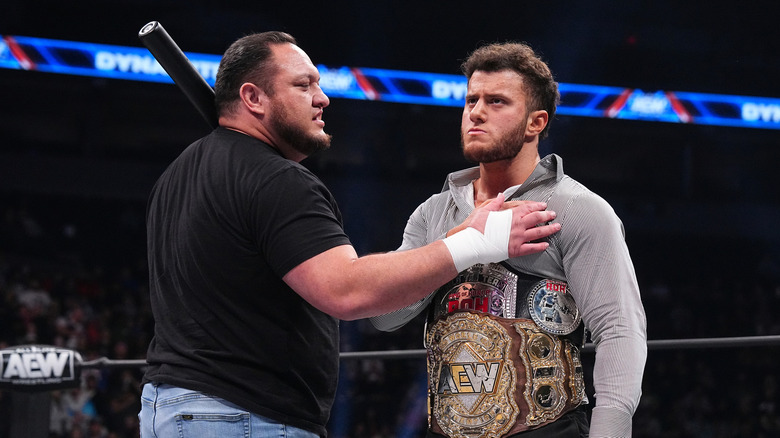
{"points": [[503, 353]]}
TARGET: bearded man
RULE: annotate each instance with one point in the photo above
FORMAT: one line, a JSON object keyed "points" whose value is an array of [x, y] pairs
{"points": [[524, 324]]}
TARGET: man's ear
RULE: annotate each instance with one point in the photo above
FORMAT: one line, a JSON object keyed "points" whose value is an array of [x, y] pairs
{"points": [[253, 98], [537, 120]]}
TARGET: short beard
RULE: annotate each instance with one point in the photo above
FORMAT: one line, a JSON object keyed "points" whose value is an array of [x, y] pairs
{"points": [[505, 148], [298, 139]]}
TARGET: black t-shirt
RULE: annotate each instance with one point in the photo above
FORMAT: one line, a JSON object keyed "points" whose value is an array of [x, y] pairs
{"points": [[227, 219]]}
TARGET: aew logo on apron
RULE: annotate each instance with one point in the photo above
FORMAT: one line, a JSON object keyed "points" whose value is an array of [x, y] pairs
{"points": [[39, 368]]}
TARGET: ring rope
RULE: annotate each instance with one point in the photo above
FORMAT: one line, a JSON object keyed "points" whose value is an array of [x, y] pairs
{"points": [[660, 344]]}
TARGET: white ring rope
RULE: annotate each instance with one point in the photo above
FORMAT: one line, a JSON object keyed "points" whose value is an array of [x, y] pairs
{"points": [[660, 344]]}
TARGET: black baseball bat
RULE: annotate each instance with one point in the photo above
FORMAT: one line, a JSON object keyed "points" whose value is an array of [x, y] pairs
{"points": [[180, 69]]}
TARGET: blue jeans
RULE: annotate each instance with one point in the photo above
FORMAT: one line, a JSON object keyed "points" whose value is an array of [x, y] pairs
{"points": [[169, 411]]}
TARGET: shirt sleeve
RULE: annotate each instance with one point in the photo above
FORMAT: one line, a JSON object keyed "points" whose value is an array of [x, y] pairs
{"points": [[603, 282], [296, 218], [415, 236]]}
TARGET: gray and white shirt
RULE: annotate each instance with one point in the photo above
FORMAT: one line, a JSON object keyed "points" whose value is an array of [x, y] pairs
{"points": [[589, 253]]}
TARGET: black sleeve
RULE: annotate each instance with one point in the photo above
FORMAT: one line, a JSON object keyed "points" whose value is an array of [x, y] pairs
{"points": [[297, 218]]}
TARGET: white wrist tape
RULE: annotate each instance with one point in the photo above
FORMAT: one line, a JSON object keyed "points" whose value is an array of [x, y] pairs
{"points": [[469, 246]]}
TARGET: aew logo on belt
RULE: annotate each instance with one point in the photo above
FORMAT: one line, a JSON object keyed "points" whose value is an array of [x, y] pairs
{"points": [[468, 378], [38, 368]]}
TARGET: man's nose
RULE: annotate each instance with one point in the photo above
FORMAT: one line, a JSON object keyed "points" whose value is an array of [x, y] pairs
{"points": [[320, 98], [477, 112]]}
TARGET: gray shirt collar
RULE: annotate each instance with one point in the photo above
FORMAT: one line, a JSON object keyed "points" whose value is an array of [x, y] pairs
{"points": [[460, 182]]}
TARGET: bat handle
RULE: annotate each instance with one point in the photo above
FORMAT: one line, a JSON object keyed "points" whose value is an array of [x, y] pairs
{"points": [[179, 68]]}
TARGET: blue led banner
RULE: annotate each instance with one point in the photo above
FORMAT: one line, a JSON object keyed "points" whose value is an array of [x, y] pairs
{"points": [[96, 60], [135, 63]]}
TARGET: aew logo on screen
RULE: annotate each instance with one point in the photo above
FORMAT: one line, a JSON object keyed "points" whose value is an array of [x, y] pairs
{"points": [[39, 368]]}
